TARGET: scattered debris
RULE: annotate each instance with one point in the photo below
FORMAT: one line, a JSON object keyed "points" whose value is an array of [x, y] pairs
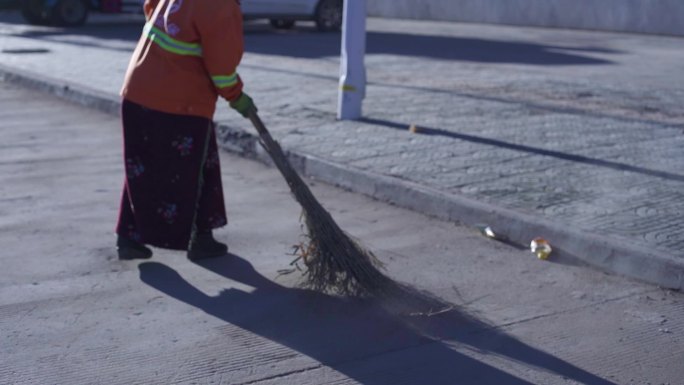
{"points": [[486, 230], [432, 313], [541, 248]]}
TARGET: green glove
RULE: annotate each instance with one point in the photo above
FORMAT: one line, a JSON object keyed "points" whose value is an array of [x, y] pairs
{"points": [[243, 105]]}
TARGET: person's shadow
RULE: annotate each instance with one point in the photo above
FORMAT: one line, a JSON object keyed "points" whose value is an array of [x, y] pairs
{"points": [[373, 342]]}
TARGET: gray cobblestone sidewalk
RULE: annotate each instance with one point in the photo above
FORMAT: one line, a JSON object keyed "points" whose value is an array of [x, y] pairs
{"points": [[573, 136]]}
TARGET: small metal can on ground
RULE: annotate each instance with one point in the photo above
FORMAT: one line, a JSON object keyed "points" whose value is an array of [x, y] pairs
{"points": [[541, 248]]}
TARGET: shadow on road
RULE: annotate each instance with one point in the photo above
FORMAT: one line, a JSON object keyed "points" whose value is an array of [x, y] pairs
{"points": [[371, 342], [618, 166], [305, 42]]}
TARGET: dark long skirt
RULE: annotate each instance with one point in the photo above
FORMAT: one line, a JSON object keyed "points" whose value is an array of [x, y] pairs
{"points": [[173, 178]]}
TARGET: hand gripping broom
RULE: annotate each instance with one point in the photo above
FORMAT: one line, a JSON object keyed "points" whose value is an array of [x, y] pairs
{"points": [[335, 263]]}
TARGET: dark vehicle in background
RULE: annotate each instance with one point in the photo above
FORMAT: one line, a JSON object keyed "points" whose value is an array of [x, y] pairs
{"points": [[9, 4], [283, 14], [72, 13]]}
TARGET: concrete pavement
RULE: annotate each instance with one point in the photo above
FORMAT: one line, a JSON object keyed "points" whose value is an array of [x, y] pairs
{"points": [[572, 136], [70, 313]]}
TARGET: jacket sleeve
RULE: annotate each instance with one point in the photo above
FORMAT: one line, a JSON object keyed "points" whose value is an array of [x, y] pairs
{"points": [[220, 31]]}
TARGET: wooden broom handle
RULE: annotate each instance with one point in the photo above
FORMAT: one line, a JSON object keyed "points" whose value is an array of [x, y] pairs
{"points": [[276, 152], [256, 121]]}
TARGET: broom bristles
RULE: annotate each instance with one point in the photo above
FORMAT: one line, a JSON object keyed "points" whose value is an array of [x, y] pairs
{"points": [[338, 263], [335, 262]]}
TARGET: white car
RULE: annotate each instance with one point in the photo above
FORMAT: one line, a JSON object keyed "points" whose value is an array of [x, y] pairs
{"points": [[327, 14], [283, 13]]}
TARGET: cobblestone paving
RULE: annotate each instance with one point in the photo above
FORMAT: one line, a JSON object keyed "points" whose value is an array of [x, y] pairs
{"points": [[581, 128]]}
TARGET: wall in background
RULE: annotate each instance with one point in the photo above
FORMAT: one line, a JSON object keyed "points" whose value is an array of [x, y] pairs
{"points": [[638, 16]]}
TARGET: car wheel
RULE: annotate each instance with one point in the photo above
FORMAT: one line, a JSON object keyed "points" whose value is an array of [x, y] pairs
{"points": [[70, 13], [33, 12], [282, 24], [329, 15]]}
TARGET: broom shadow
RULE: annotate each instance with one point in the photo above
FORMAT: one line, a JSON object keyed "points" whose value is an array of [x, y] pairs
{"points": [[373, 342]]}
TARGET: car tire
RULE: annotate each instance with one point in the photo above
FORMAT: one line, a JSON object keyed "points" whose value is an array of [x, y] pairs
{"points": [[328, 15], [70, 13], [282, 24], [34, 13]]}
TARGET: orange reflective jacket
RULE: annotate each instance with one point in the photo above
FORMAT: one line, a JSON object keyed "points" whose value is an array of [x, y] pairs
{"points": [[187, 56]]}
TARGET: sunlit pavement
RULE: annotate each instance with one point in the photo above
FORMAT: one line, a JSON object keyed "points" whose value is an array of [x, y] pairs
{"points": [[583, 144]]}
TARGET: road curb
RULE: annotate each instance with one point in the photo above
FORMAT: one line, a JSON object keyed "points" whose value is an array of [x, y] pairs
{"points": [[571, 245]]}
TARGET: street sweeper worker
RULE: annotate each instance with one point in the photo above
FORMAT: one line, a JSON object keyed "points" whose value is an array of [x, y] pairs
{"points": [[185, 59]]}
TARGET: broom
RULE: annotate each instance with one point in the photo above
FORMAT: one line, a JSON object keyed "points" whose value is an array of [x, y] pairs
{"points": [[335, 263]]}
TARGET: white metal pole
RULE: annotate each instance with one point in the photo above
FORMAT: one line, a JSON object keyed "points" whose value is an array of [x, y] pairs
{"points": [[352, 69]]}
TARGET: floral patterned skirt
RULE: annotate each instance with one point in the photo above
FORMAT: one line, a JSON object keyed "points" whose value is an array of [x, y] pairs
{"points": [[173, 178]]}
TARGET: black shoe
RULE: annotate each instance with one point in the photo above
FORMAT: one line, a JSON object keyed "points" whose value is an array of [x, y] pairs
{"points": [[130, 249], [205, 246]]}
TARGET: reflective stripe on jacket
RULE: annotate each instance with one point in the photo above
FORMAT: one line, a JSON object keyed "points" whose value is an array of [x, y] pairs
{"points": [[187, 56]]}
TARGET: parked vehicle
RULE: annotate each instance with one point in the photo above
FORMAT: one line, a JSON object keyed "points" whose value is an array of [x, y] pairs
{"points": [[9, 4], [327, 14], [283, 14], [72, 13]]}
